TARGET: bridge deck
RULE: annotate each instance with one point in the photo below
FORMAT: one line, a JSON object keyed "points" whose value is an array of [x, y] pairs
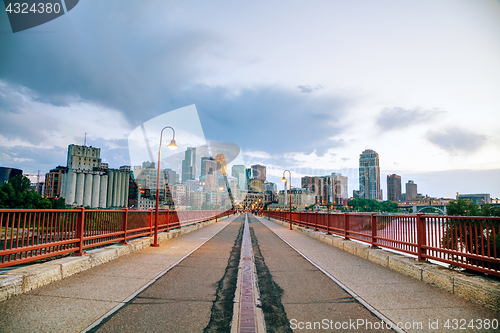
{"points": [[184, 298]]}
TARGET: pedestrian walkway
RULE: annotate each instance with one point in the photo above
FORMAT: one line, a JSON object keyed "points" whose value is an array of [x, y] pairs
{"points": [[328, 290], [398, 297], [72, 304]]}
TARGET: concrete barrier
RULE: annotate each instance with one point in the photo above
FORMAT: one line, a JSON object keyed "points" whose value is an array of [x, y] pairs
{"points": [[475, 288], [24, 279]]}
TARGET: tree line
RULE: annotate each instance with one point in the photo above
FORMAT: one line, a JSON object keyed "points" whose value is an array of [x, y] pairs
{"points": [[16, 194]]}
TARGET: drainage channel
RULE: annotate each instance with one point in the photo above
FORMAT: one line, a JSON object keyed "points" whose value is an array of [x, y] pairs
{"points": [[247, 317]]}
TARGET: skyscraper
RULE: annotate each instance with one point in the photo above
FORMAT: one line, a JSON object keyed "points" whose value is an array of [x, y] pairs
{"points": [[238, 172], [221, 163], [394, 188], [411, 190], [208, 166], [259, 172], [326, 189], [189, 164], [369, 175], [343, 184]]}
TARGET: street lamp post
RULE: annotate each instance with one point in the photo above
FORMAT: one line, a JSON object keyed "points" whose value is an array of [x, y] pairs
{"points": [[171, 145], [217, 201], [290, 192]]}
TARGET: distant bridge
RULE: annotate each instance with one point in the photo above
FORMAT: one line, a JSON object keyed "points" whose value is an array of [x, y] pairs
{"points": [[440, 208], [420, 208]]}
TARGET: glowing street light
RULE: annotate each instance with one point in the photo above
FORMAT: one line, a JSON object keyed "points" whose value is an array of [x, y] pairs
{"points": [[284, 180], [171, 145]]}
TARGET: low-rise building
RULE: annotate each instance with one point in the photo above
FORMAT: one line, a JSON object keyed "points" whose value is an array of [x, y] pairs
{"points": [[301, 198]]}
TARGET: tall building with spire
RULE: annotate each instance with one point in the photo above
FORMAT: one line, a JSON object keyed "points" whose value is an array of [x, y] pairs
{"points": [[369, 175], [189, 164]]}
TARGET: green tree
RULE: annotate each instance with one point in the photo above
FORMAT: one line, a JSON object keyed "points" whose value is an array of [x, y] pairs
{"points": [[462, 207], [472, 235], [16, 195], [58, 203]]}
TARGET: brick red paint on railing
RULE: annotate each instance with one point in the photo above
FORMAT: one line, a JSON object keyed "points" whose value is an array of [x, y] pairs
{"points": [[468, 242], [32, 234]]}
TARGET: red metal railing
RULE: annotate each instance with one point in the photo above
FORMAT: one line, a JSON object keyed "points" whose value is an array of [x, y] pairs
{"points": [[33, 234], [468, 242]]}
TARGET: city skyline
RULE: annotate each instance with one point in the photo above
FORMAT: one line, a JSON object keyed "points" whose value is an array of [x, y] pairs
{"points": [[422, 96]]}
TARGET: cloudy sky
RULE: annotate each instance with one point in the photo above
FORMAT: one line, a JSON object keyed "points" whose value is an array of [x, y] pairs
{"points": [[305, 86]]}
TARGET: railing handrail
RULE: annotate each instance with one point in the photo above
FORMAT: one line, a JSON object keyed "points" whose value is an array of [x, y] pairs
{"points": [[32, 234]]}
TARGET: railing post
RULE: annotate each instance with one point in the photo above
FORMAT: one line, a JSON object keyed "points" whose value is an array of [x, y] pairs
{"points": [[168, 218], [421, 237], [80, 230], [328, 218], [346, 226], [124, 224], [150, 221], [374, 230]]}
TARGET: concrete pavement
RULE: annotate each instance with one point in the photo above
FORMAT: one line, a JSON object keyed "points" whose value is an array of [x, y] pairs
{"points": [[299, 293], [298, 296], [398, 297], [74, 303]]}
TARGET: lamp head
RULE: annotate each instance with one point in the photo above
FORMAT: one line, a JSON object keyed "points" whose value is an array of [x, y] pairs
{"points": [[221, 188], [283, 179], [172, 145]]}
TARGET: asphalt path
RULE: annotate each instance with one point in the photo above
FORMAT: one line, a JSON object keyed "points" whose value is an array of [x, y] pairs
{"points": [[298, 297], [197, 295]]}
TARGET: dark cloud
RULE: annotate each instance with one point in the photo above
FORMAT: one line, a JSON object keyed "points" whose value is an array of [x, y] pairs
{"points": [[399, 118], [122, 60], [309, 89], [134, 60], [267, 118], [456, 140]]}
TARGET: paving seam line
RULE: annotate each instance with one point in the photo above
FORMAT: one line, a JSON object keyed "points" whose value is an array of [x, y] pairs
{"points": [[128, 299], [367, 305]]}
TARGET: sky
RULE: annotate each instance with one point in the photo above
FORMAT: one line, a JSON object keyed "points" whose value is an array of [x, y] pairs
{"points": [[304, 86]]}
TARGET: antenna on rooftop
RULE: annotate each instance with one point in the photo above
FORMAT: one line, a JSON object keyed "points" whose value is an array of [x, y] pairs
{"points": [[85, 140]]}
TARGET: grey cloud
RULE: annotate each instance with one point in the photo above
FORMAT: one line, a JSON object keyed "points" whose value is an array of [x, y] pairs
{"points": [[456, 140], [17, 120], [126, 61], [267, 118], [447, 183], [399, 118], [31, 159], [309, 89], [133, 60]]}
